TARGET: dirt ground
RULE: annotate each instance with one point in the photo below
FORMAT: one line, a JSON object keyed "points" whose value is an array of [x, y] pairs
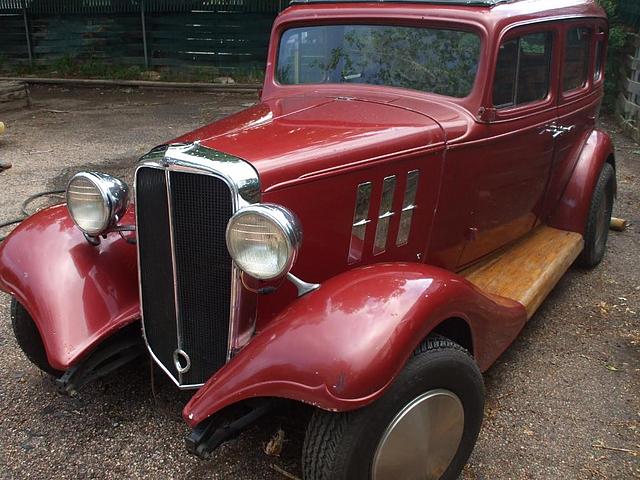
{"points": [[562, 403]]}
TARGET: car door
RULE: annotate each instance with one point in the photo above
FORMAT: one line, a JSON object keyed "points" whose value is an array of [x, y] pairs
{"points": [[581, 85], [509, 169]]}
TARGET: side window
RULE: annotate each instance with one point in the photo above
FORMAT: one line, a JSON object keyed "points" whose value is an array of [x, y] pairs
{"points": [[599, 68], [522, 70], [576, 58]]}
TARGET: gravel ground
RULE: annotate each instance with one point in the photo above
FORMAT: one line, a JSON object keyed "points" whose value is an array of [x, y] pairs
{"points": [[562, 402]]}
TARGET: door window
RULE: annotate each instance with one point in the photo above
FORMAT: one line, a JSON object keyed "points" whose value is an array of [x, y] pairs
{"points": [[522, 70], [576, 58]]}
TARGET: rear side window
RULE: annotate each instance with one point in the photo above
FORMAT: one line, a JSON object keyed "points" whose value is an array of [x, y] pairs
{"points": [[576, 58], [522, 70], [598, 68]]}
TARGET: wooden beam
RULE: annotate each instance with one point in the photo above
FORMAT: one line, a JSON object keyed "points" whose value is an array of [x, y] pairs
{"points": [[529, 269]]}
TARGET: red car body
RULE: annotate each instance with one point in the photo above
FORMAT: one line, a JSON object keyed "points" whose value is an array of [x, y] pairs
{"points": [[487, 177]]}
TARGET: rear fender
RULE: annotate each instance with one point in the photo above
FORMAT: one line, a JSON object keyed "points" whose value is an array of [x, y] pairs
{"points": [[341, 346], [76, 293], [573, 207]]}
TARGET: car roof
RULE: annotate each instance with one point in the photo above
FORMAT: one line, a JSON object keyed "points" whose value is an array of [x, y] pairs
{"points": [[484, 3], [492, 14]]}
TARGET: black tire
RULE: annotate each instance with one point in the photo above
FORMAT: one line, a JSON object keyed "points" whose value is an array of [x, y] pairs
{"points": [[341, 446], [597, 228], [28, 338]]}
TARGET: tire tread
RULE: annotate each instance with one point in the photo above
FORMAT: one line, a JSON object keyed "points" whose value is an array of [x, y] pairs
{"points": [[28, 338], [590, 257], [326, 430]]}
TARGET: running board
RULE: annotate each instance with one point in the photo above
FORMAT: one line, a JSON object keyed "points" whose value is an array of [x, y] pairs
{"points": [[527, 270]]}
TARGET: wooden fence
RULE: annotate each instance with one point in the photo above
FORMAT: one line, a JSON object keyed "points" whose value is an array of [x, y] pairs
{"points": [[227, 34], [628, 106]]}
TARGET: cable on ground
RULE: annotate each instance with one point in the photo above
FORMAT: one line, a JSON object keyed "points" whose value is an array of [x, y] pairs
{"points": [[25, 205]]}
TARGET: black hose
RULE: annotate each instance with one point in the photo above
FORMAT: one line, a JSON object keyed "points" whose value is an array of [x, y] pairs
{"points": [[24, 206]]}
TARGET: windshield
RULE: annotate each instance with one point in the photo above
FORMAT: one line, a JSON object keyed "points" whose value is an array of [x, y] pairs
{"points": [[426, 59]]}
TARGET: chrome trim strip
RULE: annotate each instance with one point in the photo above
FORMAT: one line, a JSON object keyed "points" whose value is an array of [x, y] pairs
{"points": [[167, 184], [360, 221], [408, 206], [385, 212], [244, 183]]}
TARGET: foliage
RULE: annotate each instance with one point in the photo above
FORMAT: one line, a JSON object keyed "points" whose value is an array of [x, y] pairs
{"points": [[70, 67], [615, 53]]}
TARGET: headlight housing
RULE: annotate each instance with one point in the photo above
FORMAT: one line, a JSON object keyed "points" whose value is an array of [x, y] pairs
{"points": [[96, 201], [263, 240]]}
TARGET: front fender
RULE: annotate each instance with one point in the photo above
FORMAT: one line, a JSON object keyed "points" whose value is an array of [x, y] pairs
{"points": [[573, 208], [341, 346], [76, 293]]}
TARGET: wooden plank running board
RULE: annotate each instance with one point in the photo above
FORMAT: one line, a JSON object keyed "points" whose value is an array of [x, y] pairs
{"points": [[529, 269]]}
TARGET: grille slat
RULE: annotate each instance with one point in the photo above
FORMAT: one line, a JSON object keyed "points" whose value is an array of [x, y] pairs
{"points": [[201, 206]]}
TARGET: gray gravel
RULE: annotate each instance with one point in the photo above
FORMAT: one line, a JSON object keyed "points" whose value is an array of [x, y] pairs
{"points": [[562, 402]]}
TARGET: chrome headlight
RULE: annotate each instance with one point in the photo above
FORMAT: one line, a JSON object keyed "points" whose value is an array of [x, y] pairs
{"points": [[96, 201], [264, 240]]}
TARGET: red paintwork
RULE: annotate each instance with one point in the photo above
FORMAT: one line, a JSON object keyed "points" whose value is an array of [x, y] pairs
{"points": [[310, 138], [77, 294], [339, 347], [572, 210], [482, 184]]}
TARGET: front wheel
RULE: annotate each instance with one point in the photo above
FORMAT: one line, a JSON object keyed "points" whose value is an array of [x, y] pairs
{"points": [[424, 427], [28, 338]]}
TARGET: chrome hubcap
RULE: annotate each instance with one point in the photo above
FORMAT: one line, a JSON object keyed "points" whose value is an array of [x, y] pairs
{"points": [[421, 441]]}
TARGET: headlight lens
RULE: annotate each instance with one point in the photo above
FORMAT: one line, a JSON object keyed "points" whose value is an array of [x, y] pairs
{"points": [[263, 240], [96, 201]]}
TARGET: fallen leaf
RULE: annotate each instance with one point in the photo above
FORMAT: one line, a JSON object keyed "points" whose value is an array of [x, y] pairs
{"points": [[273, 448]]}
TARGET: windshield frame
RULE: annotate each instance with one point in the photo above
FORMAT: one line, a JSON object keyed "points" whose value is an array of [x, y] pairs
{"points": [[427, 23]]}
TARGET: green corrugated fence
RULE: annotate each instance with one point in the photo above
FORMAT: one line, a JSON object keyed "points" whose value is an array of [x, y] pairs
{"points": [[227, 34]]}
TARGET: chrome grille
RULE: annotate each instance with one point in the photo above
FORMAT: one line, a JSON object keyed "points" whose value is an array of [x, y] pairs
{"points": [[185, 270]]}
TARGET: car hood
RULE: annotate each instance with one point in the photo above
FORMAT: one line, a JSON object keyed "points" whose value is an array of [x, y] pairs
{"points": [[298, 137]]}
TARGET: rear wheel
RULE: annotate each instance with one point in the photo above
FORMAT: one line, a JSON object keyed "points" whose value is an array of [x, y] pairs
{"points": [[424, 427], [596, 231], [28, 338]]}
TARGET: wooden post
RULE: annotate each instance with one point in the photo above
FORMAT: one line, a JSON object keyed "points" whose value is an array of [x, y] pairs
{"points": [[144, 35], [26, 31], [618, 224]]}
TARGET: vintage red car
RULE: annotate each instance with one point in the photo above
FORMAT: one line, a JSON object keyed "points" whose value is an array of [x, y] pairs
{"points": [[367, 239]]}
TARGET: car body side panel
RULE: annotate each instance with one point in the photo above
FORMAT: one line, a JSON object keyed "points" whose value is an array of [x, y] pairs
{"points": [[341, 346], [325, 206], [573, 207], [77, 294]]}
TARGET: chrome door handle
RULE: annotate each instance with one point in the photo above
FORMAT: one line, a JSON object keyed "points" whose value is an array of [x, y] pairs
{"points": [[552, 128], [556, 130], [561, 130]]}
